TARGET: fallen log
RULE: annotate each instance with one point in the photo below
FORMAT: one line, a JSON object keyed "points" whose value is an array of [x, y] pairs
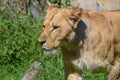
{"points": [[33, 71]]}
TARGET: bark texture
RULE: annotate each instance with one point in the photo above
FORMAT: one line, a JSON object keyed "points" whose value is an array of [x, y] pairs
{"points": [[36, 8], [33, 7], [33, 71], [97, 4]]}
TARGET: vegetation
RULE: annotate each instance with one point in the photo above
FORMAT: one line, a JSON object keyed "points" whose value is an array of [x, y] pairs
{"points": [[19, 48]]}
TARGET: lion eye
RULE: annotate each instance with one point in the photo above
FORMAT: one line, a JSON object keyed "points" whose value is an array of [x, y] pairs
{"points": [[55, 27], [43, 26]]}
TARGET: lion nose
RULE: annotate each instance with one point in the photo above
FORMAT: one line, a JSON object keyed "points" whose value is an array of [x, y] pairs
{"points": [[42, 40]]}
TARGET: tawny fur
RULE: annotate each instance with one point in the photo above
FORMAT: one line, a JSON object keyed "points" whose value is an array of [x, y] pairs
{"points": [[88, 40]]}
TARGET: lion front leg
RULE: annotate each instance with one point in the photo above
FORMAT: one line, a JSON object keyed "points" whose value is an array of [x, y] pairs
{"points": [[71, 73], [74, 76], [115, 72]]}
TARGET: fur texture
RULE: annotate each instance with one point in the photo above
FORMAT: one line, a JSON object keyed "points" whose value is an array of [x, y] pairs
{"points": [[88, 40]]}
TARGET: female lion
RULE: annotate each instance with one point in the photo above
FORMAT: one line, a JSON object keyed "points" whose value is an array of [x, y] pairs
{"points": [[88, 40]]}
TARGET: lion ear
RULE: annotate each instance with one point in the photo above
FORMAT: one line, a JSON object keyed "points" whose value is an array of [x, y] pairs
{"points": [[76, 15], [48, 3], [52, 7]]}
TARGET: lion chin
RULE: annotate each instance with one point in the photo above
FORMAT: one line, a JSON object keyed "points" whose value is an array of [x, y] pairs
{"points": [[50, 52]]}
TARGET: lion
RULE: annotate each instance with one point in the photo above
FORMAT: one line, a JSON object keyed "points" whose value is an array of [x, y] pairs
{"points": [[88, 40]]}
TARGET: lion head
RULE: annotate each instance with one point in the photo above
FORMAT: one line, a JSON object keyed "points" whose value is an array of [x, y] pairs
{"points": [[58, 25]]}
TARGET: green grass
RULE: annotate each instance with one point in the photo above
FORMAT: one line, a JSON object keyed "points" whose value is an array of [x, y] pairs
{"points": [[19, 48]]}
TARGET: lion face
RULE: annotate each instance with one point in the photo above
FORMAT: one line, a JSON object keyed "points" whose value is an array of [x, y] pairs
{"points": [[58, 24]]}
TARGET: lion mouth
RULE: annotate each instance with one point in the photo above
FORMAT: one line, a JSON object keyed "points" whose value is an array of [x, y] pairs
{"points": [[49, 51], [52, 51]]}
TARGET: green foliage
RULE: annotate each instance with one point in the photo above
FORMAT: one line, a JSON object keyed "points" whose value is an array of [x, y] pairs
{"points": [[56, 2], [19, 48], [15, 37], [59, 2]]}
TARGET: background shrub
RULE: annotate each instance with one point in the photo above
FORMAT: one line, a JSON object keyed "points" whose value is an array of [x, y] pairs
{"points": [[19, 47]]}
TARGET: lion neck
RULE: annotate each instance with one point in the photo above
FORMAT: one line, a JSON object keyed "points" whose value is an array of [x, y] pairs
{"points": [[74, 42]]}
